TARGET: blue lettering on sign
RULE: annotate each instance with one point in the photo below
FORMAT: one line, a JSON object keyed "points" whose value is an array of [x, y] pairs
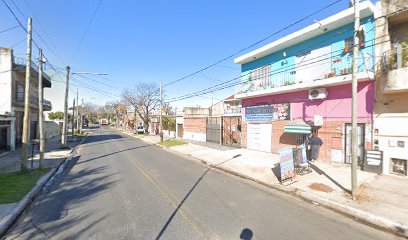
{"points": [[272, 112]]}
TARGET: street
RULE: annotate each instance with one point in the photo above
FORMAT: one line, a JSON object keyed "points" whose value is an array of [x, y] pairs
{"points": [[123, 188]]}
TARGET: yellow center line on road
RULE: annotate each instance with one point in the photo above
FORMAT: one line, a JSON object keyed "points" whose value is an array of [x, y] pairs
{"points": [[169, 197]]}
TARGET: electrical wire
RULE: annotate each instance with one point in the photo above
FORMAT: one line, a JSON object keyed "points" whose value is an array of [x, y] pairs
{"points": [[8, 29], [256, 43], [86, 30], [212, 89]]}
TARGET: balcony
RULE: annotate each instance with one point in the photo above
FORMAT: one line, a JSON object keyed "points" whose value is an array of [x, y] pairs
{"points": [[47, 106], [232, 111], [395, 69], [305, 75], [20, 66]]}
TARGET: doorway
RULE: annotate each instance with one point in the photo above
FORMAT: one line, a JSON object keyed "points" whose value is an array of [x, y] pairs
{"points": [[360, 143]]}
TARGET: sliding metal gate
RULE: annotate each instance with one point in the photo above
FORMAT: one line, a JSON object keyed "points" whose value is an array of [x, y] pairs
{"points": [[213, 129]]}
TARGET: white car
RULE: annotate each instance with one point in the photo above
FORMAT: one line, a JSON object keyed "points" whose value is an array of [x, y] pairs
{"points": [[140, 130]]}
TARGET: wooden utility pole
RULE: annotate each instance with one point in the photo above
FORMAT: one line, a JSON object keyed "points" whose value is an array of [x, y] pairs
{"points": [[40, 108], [161, 112], [26, 121], [64, 128], [82, 116], [354, 143], [77, 112]]}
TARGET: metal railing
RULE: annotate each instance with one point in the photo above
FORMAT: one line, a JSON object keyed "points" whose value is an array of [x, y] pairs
{"points": [[305, 72], [233, 110], [396, 58], [23, 62]]}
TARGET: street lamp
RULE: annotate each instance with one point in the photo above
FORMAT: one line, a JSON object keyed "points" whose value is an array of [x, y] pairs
{"points": [[64, 128]]}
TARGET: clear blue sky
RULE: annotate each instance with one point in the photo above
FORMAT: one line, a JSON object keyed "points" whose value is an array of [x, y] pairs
{"points": [[149, 41]]}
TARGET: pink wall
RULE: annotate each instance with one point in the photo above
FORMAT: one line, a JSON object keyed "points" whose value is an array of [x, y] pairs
{"points": [[336, 107]]}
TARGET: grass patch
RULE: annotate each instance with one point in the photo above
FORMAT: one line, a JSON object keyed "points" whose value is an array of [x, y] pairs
{"points": [[78, 134], [172, 143], [14, 186]]}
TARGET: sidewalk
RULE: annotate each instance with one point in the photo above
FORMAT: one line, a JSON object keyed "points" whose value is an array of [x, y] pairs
{"points": [[10, 162], [382, 200]]}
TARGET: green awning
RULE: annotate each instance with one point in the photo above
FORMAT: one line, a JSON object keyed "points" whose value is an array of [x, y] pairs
{"points": [[298, 127]]}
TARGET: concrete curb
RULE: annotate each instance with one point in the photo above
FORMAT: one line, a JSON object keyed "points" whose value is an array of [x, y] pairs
{"points": [[7, 222], [355, 213]]}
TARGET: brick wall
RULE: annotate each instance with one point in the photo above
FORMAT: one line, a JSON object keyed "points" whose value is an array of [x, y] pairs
{"points": [[196, 125], [330, 133]]}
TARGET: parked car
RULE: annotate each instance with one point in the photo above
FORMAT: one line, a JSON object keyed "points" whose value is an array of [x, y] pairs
{"points": [[140, 130], [104, 121]]}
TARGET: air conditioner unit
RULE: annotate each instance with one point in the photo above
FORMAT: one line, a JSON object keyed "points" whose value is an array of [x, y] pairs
{"points": [[317, 93]]}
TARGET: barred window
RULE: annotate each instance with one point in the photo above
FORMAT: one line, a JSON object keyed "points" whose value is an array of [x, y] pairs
{"points": [[260, 77]]}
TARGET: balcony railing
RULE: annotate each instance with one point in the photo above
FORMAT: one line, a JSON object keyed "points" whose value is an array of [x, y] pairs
{"points": [[304, 72], [47, 104], [395, 69], [232, 110], [396, 58], [23, 62]]}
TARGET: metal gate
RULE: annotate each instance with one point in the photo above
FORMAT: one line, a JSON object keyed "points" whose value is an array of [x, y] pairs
{"points": [[232, 131], [180, 130], [213, 129]]}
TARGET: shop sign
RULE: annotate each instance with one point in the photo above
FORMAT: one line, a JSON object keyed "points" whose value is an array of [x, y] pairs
{"points": [[273, 112], [287, 167]]}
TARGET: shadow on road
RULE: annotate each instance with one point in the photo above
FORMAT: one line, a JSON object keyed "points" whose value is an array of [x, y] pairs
{"points": [[246, 234], [49, 215], [189, 193]]}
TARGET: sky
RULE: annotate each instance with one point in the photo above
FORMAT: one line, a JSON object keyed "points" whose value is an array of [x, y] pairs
{"points": [[150, 41]]}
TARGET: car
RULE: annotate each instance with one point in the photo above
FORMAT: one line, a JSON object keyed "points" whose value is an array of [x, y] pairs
{"points": [[140, 130]]}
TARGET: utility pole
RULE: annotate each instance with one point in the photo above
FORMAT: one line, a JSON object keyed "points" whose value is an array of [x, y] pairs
{"points": [[77, 112], [82, 116], [40, 109], [26, 121], [354, 157], [161, 112], [64, 128]]}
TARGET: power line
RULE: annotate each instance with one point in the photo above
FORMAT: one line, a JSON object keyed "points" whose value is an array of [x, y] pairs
{"points": [[8, 29], [256, 43], [232, 84], [86, 30]]}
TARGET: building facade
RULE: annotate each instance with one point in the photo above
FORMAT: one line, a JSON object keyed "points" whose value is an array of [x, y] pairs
{"points": [[12, 91], [391, 106], [301, 84]]}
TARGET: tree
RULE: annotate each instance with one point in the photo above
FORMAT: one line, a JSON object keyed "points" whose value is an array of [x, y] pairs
{"points": [[144, 98], [90, 111], [58, 116]]}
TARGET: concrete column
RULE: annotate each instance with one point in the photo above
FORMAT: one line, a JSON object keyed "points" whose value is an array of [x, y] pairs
{"points": [[13, 135]]}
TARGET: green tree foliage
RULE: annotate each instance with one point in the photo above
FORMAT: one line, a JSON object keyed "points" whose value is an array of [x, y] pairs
{"points": [[169, 123], [58, 116]]}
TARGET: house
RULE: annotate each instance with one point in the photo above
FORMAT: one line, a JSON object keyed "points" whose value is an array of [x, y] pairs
{"points": [[203, 124], [12, 91], [391, 105], [301, 84]]}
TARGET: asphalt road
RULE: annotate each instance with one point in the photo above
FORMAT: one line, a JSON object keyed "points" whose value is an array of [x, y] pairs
{"points": [[123, 188]]}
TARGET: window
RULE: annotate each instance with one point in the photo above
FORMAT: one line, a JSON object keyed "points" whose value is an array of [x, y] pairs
{"points": [[20, 92], [260, 76]]}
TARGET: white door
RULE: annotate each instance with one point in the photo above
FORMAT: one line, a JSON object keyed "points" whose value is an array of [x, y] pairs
{"points": [[259, 137]]}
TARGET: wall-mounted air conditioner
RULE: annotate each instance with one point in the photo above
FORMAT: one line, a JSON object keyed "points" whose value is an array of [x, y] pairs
{"points": [[317, 93]]}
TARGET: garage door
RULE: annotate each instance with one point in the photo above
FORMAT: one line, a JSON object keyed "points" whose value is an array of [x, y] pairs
{"points": [[260, 137]]}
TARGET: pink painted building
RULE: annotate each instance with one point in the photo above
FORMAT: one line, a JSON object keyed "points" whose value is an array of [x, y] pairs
{"points": [[301, 84]]}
